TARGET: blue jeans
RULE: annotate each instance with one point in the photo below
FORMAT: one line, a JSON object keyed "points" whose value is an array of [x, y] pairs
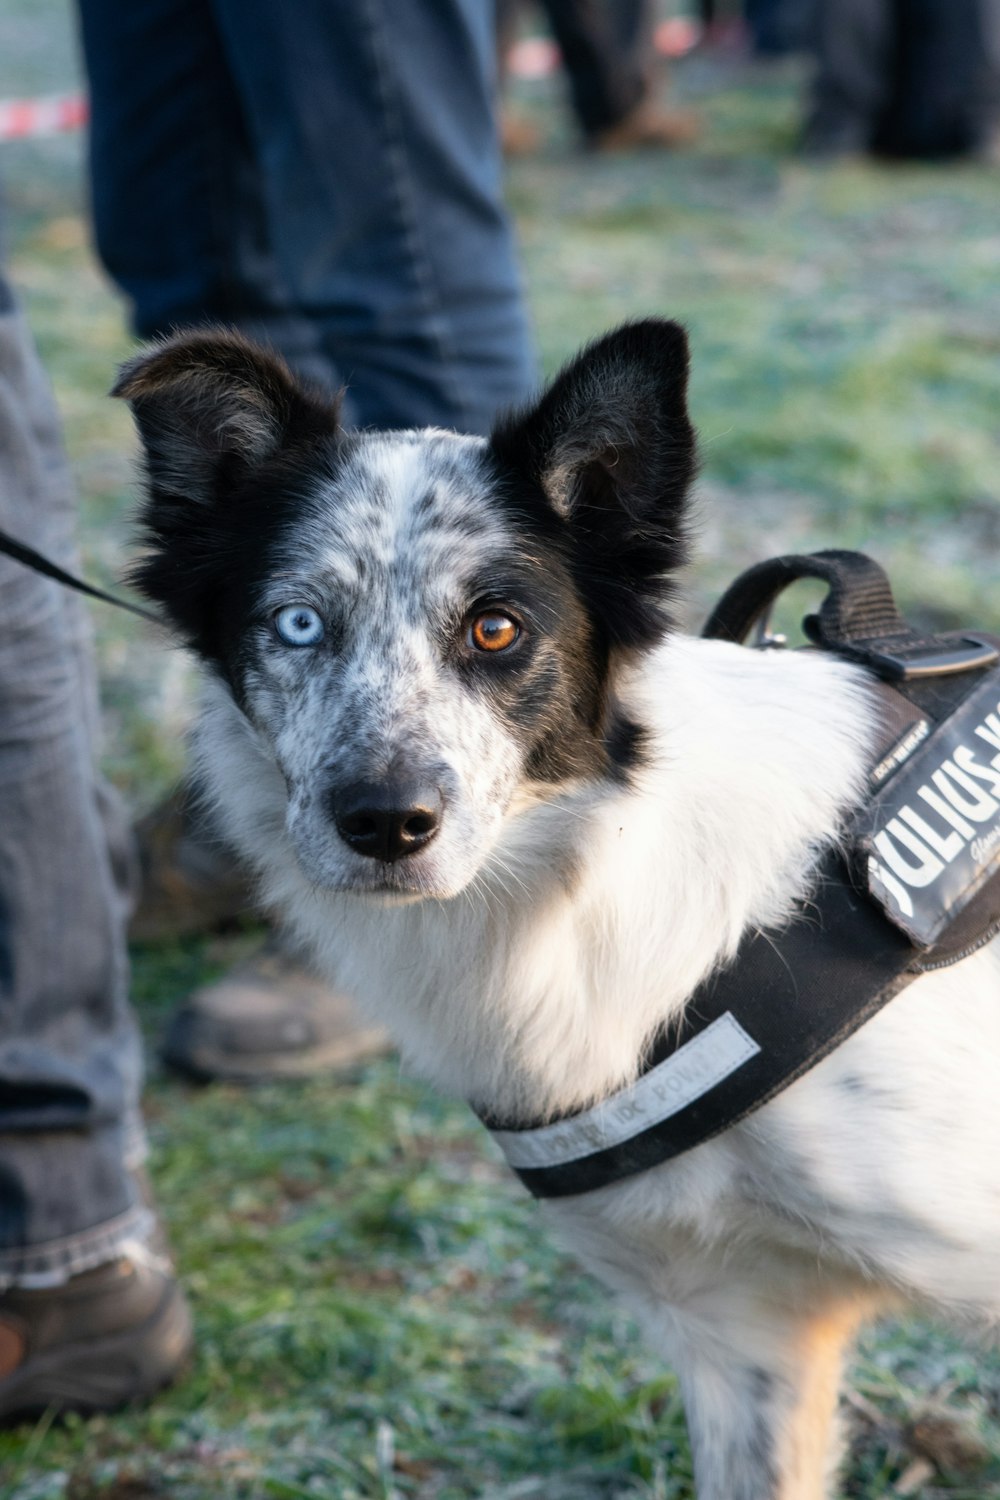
{"points": [[780, 26], [325, 175], [69, 1055]]}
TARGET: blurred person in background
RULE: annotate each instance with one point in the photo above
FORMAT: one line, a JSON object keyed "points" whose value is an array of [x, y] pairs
{"points": [[772, 28], [325, 178], [905, 78], [606, 50]]}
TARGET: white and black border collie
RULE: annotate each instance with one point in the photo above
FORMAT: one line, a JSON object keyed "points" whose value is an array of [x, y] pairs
{"points": [[449, 724]]}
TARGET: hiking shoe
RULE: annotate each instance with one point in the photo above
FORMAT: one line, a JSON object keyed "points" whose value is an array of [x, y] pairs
{"points": [[518, 136], [191, 883], [647, 127], [268, 1018], [107, 1337], [835, 136]]}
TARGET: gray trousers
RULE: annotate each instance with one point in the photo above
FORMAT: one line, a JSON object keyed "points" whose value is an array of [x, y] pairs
{"points": [[70, 1063]]}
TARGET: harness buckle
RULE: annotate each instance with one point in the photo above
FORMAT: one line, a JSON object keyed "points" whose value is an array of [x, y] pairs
{"points": [[764, 638], [941, 657]]}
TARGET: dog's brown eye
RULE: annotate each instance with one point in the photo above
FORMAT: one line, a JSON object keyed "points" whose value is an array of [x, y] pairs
{"points": [[493, 632]]}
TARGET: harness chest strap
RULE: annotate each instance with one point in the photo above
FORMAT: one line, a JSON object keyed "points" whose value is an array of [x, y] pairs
{"points": [[917, 887]]}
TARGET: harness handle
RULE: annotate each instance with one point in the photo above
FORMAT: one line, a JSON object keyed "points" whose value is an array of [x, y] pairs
{"points": [[858, 618]]}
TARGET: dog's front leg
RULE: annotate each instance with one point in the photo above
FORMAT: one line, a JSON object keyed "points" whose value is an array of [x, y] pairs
{"points": [[760, 1388]]}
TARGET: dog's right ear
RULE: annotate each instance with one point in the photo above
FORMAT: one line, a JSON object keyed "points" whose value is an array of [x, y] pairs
{"points": [[211, 407], [217, 416]]}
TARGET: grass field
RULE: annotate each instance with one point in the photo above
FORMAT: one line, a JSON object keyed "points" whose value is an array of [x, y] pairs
{"points": [[374, 1297]]}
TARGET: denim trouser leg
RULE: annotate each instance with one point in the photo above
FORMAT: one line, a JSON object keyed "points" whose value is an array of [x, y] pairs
{"points": [[69, 1054], [780, 26], [601, 49], [332, 165], [178, 213]]}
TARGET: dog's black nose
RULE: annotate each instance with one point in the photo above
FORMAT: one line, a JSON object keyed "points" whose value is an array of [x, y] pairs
{"points": [[387, 820]]}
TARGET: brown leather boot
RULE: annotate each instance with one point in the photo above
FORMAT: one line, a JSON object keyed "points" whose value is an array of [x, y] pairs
{"points": [[518, 136], [647, 127], [109, 1336]]}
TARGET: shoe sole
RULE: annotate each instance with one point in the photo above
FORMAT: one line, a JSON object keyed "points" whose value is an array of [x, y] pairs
{"points": [[107, 1373], [207, 1066]]}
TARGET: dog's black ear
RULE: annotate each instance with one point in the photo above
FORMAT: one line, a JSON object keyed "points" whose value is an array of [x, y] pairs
{"points": [[225, 426], [611, 449], [211, 407]]}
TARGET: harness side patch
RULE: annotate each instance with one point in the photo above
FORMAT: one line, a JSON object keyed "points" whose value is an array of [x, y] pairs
{"points": [[930, 839]]}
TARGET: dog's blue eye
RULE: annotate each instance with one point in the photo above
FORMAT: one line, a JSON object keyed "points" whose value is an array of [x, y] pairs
{"points": [[298, 625]]}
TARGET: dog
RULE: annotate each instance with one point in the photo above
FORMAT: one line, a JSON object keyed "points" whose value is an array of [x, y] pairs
{"points": [[449, 721]]}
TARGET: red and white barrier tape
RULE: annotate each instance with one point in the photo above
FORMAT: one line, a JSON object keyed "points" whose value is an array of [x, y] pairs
{"points": [[538, 56], [22, 118], [533, 57]]}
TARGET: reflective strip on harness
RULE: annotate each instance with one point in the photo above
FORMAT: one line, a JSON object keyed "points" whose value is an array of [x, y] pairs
{"points": [[686, 1075], [797, 993]]}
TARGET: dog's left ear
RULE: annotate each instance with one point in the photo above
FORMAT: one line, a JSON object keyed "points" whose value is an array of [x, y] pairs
{"points": [[611, 448]]}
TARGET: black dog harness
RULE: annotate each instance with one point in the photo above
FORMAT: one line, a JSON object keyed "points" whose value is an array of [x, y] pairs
{"points": [[913, 886]]}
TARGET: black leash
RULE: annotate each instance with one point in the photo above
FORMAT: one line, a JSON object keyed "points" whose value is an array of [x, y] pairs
{"points": [[39, 564]]}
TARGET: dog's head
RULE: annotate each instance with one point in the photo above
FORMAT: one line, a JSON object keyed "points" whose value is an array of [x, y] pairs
{"points": [[422, 628]]}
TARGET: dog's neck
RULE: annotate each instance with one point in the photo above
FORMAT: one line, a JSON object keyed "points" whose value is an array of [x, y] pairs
{"points": [[602, 908]]}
